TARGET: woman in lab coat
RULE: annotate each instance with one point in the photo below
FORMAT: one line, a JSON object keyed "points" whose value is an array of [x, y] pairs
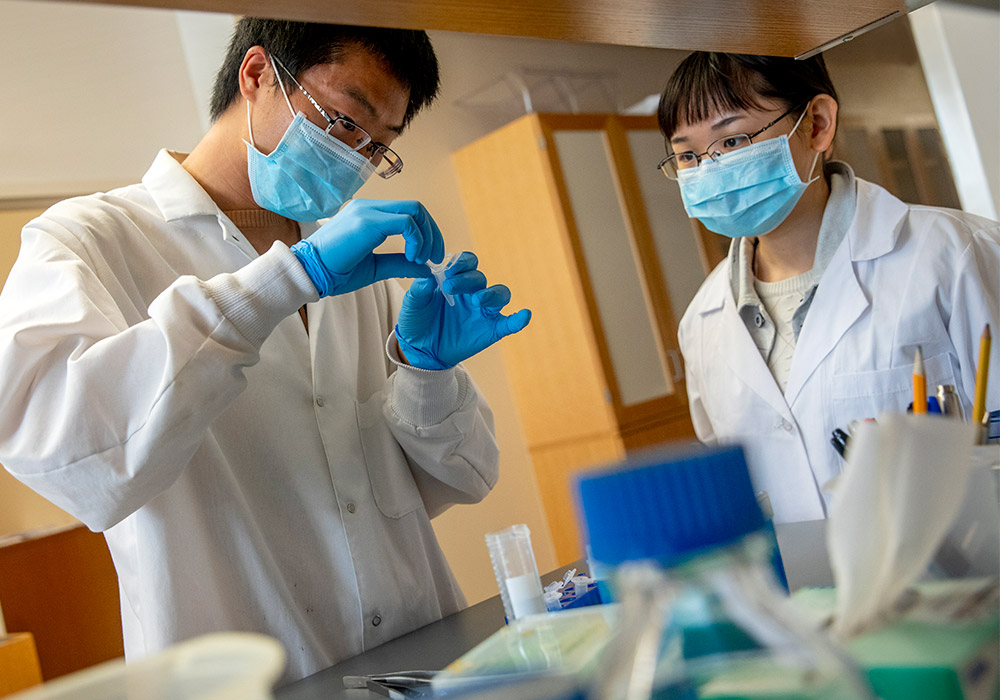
{"points": [[831, 283]]}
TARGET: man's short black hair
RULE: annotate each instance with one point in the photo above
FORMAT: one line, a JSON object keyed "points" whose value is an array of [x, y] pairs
{"points": [[406, 55], [707, 83]]}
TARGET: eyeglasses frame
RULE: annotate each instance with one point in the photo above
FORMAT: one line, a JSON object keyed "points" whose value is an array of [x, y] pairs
{"points": [[714, 156]]}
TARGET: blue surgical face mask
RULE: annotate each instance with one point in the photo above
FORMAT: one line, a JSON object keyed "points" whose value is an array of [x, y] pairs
{"points": [[748, 192], [309, 175]]}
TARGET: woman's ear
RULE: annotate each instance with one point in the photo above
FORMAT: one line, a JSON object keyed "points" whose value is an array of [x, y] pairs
{"points": [[823, 122], [255, 73]]}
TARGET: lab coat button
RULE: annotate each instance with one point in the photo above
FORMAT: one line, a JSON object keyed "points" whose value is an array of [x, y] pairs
{"points": [[758, 320], [376, 621], [320, 402], [351, 508], [786, 425]]}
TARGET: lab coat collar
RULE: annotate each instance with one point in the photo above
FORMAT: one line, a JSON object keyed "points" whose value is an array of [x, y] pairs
{"points": [[720, 288], [174, 190], [178, 195], [840, 300], [740, 352], [836, 305], [878, 219]]}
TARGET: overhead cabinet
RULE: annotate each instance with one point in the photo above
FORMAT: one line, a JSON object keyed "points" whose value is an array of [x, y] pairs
{"points": [[773, 27]]}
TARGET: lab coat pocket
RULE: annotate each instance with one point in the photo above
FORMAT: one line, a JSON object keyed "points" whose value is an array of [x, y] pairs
{"points": [[392, 482], [863, 395]]}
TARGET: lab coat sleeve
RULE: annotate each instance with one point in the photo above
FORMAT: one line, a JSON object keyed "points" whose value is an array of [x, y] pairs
{"points": [[975, 297], [445, 429], [100, 416], [691, 350]]}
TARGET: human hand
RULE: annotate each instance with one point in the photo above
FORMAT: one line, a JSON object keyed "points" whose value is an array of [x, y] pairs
{"points": [[339, 256], [434, 335]]}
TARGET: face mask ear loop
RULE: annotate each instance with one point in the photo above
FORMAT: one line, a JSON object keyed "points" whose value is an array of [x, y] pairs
{"points": [[794, 128], [281, 86], [811, 168], [249, 125], [801, 117]]}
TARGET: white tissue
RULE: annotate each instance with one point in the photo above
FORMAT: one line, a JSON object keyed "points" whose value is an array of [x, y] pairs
{"points": [[903, 485]]}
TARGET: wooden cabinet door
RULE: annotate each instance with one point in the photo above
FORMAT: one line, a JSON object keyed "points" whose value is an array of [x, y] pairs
{"points": [[516, 219], [618, 256]]}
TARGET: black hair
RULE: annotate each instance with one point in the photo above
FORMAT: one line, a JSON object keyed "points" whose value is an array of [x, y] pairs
{"points": [[707, 83], [406, 55]]}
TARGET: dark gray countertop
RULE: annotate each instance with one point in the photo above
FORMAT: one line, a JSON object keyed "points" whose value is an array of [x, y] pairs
{"points": [[432, 647]]}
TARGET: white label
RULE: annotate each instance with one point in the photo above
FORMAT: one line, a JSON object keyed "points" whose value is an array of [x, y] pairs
{"points": [[526, 597]]}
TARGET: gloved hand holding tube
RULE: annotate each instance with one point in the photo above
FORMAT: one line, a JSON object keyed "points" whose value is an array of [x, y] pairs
{"points": [[339, 256], [434, 335]]}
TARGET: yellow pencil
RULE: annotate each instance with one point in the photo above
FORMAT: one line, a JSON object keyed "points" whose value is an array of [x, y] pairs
{"points": [[919, 384], [982, 375]]}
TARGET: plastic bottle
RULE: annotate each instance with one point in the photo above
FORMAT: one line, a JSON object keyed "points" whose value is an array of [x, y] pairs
{"points": [[703, 616]]}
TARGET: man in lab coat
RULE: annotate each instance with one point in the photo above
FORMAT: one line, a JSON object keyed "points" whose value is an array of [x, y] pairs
{"points": [[243, 400]]}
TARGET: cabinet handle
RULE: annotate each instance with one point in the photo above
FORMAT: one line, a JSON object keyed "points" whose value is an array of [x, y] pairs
{"points": [[676, 365]]}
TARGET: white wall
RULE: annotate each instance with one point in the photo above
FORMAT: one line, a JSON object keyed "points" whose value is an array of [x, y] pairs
{"points": [[204, 37], [959, 48], [90, 94]]}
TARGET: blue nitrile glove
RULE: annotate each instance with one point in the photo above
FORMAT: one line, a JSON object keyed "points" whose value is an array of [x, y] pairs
{"points": [[338, 257], [434, 335]]}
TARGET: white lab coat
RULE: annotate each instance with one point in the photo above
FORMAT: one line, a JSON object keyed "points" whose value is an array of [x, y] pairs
{"points": [[158, 385], [904, 276]]}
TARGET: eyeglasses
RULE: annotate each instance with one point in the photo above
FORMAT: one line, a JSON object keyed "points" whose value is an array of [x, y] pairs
{"points": [[674, 163], [386, 161]]}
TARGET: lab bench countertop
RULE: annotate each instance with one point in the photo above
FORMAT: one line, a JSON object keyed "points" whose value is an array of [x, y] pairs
{"points": [[429, 648]]}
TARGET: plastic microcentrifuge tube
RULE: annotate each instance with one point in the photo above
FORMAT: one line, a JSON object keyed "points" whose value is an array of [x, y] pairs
{"points": [[516, 571], [437, 269]]}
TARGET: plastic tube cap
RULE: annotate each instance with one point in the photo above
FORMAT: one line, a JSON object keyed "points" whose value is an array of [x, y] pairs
{"points": [[670, 506]]}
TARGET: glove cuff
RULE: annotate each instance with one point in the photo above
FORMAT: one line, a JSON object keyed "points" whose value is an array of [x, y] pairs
{"points": [[421, 359], [314, 267]]}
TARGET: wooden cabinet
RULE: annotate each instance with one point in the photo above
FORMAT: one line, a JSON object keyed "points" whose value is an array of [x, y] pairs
{"points": [[770, 27], [571, 212], [61, 587], [19, 667]]}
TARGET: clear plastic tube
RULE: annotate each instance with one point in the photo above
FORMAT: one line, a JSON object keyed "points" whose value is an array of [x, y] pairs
{"points": [[516, 571], [437, 269]]}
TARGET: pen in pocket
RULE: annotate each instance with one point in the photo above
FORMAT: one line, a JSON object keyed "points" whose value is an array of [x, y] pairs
{"points": [[839, 441]]}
